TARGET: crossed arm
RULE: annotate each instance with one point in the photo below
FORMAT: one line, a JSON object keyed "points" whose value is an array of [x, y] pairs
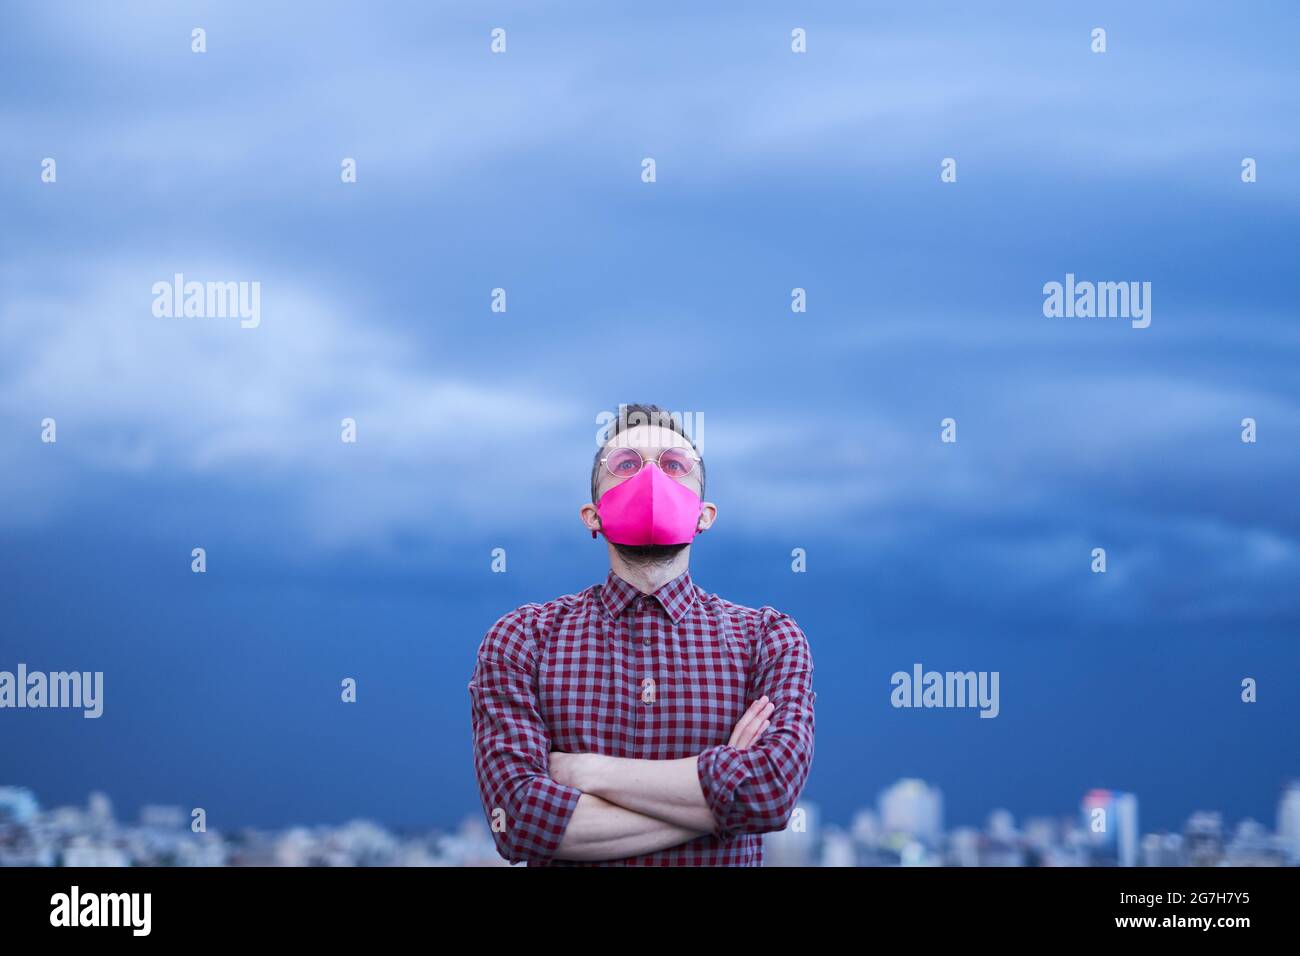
{"points": [[630, 807], [545, 805]]}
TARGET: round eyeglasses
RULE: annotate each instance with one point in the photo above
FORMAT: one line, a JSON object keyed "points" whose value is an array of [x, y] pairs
{"points": [[673, 462]]}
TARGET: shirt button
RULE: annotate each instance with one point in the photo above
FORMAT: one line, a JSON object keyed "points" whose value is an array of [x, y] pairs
{"points": [[646, 642]]}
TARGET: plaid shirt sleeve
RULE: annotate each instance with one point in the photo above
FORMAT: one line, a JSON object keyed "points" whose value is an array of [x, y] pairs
{"points": [[755, 790], [512, 746]]}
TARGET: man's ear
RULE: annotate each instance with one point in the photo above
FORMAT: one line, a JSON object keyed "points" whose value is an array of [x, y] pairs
{"points": [[590, 517], [708, 515]]}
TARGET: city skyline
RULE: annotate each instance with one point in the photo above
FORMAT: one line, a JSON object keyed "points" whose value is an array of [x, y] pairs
{"points": [[906, 828]]}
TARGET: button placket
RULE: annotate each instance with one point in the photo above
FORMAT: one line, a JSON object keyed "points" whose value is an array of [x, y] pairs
{"points": [[634, 670], [623, 674], [648, 683]]}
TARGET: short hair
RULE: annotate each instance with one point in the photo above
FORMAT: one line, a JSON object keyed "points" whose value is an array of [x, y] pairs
{"points": [[631, 416]]}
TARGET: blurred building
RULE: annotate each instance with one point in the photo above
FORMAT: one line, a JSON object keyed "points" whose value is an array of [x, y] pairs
{"points": [[799, 843], [1110, 819], [906, 829], [1253, 845], [1162, 849], [1203, 839], [1002, 845], [910, 808], [964, 847], [99, 810], [837, 848], [17, 805], [1288, 822], [163, 818]]}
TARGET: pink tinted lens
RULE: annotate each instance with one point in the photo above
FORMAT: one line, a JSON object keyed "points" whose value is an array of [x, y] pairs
{"points": [[676, 463], [623, 463]]}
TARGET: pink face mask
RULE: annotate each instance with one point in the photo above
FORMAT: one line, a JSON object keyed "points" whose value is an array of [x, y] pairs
{"points": [[650, 508]]}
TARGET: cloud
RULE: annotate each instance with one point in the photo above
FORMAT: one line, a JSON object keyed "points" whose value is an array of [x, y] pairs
{"points": [[446, 452], [189, 399], [831, 427], [269, 116]]}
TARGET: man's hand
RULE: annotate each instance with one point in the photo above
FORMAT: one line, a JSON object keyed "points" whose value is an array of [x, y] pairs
{"points": [[566, 769], [668, 790], [752, 724]]}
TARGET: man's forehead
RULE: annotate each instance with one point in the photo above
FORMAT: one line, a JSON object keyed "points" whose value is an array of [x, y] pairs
{"points": [[647, 437]]}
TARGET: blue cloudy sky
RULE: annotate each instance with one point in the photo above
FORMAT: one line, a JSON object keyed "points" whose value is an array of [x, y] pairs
{"points": [[775, 170]]}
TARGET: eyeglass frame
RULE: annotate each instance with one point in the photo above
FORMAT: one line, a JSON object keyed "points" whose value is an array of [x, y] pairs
{"points": [[690, 455]]}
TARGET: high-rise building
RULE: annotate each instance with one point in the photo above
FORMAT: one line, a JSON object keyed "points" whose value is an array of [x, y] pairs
{"points": [[99, 809], [1203, 839], [838, 848], [1001, 826], [1288, 821], [163, 817], [1162, 849], [866, 827], [964, 847], [17, 805], [912, 808], [797, 844], [1110, 821], [1252, 845]]}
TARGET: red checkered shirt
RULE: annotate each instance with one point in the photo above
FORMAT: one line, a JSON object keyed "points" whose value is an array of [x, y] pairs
{"points": [[574, 675]]}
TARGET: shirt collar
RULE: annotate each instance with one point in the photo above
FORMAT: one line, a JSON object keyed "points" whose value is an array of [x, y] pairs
{"points": [[676, 597]]}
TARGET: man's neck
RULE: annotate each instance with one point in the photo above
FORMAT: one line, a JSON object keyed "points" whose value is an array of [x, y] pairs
{"points": [[649, 577]]}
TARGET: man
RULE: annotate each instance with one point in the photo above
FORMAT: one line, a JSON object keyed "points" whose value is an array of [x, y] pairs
{"points": [[642, 721]]}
